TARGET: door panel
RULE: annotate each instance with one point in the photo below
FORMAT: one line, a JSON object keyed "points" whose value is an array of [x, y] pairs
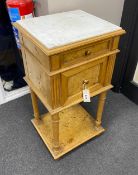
{"points": [[72, 80]]}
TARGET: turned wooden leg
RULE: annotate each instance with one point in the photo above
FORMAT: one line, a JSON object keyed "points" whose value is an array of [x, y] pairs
{"points": [[35, 105], [55, 127], [101, 103]]}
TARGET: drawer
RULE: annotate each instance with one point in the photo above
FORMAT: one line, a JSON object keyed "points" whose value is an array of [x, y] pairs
{"points": [[72, 80], [84, 53]]}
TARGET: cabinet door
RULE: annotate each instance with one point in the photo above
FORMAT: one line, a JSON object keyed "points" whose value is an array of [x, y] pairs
{"points": [[72, 81]]}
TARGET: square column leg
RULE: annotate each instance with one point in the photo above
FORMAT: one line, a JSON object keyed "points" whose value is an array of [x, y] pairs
{"points": [[55, 129], [35, 105], [102, 98]]}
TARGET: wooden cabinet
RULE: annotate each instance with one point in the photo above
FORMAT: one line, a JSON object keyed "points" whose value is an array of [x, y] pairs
{"points": [[59, 66]]}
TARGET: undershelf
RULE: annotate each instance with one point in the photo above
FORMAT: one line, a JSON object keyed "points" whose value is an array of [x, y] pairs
{"points": [[76, 126]]}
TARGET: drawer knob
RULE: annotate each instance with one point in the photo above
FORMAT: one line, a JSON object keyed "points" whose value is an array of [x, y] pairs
{"points": [[85, 82], [87, 52]]}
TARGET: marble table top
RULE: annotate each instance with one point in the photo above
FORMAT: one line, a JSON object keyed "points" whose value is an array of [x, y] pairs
{"points": [[67, 27]]}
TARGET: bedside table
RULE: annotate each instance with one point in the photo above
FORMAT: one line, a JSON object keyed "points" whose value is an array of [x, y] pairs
{"points": [[63, 55]]}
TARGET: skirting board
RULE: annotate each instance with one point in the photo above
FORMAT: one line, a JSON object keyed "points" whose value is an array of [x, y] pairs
{"points": [[8, 96]]}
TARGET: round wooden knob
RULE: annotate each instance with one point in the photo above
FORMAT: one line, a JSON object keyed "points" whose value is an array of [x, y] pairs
{"points": [[85, 81], [87, 52]]}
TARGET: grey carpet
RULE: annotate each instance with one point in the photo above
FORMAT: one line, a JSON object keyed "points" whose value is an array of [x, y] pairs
{"points": [[22, 152]]}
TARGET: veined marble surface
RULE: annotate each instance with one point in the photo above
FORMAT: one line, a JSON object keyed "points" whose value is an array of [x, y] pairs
{"points": [[68, 27]]}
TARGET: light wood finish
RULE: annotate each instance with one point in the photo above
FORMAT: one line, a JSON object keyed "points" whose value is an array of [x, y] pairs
{"points": [[35, 72], [76, 127], [81, 54], [55, 130], [70, 103], [56, 76], [35, 51], [57, 50], [52, 86], [35, 105], [114, 52], [110, 68], [56, 62], [72, 80], [115, 43], [101, 103]]}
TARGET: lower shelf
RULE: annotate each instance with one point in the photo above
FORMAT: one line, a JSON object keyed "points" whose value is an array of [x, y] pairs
{"points": [[76, 126]]}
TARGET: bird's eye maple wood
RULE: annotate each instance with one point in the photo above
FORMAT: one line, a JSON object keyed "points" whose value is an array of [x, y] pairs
{"points": [[56, 76]]}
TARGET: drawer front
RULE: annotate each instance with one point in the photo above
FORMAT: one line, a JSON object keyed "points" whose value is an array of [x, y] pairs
{"points": [[38, 53], [72, 81], [81, 54]]}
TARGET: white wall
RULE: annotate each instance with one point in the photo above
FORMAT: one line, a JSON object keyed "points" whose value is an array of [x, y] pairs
{"points": [[110, 10], [41, 7]]}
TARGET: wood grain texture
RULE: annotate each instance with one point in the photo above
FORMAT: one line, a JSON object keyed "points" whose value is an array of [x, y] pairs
{"points": [[55, 132], [83, 62], [72, 80], [36, 52], [35, 105], [115, 42], [24, 61], [109, 69], [64, 61], [101, 103], [60, 88], [56, 91], [38, 76], [70, 103], [56, 76], [76, 127], [84, 53]]}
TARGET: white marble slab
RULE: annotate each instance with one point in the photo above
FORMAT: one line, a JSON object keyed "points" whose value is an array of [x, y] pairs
{"points": [[68, 27]]}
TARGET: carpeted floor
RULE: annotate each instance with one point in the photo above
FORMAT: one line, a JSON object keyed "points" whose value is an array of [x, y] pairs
{"points": [[22, 152]]}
